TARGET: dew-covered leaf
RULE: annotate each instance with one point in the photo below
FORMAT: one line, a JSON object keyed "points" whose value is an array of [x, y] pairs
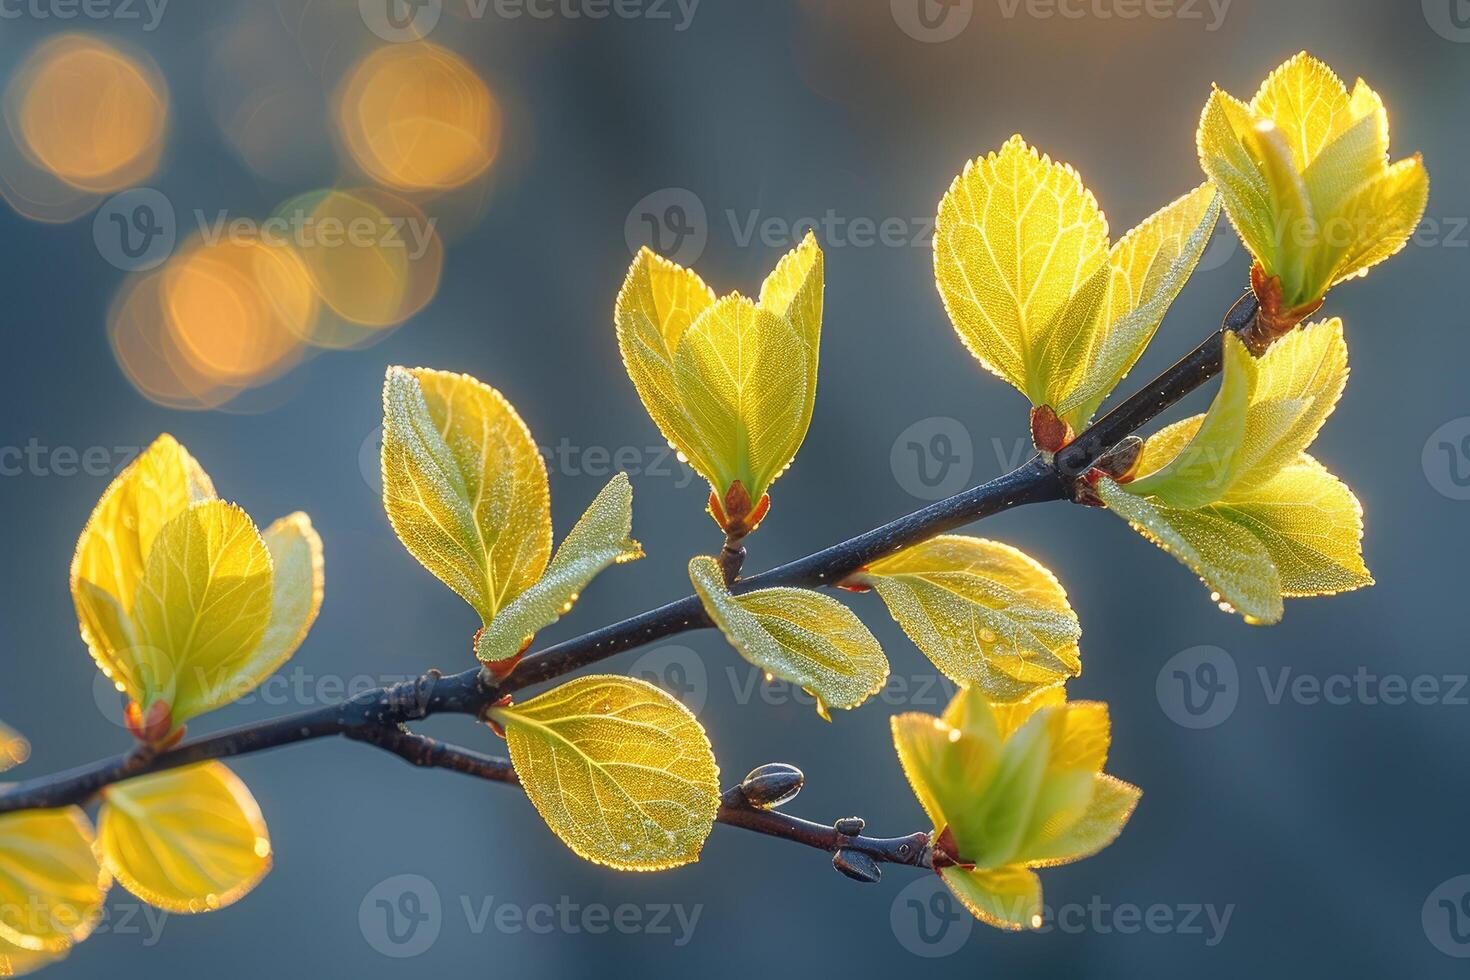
{"points": [[1268, 411], [729, 382], [464, 485], [986, 614], [1227, 557], [185, 840], [618, 769], [1018, 236], [1147, 269], [1007, 898], [203, 605], [113, 549], [601, 538], [804, 637]]}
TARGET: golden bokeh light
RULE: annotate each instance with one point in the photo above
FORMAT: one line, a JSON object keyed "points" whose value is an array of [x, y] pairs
{"points": [[237, 308], [219, 318], [89, 113], [148, 354], [416, 117], [374, 259]]}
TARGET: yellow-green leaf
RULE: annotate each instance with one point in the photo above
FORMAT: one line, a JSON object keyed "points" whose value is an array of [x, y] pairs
{"points": [[1204, 466], [1007, 898], [464, 486], [730, 383], [1268, 411], [186, 840], [1361, 147], [1109, 809], [1304, 173], [1227, 557], [1011, 787], [618, 769], [1147, 268], [1374, 222], [179, 598], [1024, 267], [741, 372], [986, 614], [51, 886], [804, 637], [1224, 127], [14, 749], [113, 548], [297, 587], [1017, 237], [202, 607], [659, 301], [1006, 780], [601, 538], [1311, 525]]}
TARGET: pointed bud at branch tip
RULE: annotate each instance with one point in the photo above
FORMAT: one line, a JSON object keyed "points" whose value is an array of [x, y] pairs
{"points": [[772, 785]]}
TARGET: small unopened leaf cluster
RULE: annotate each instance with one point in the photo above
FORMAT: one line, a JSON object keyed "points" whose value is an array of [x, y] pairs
{"points": [[186, 606]]}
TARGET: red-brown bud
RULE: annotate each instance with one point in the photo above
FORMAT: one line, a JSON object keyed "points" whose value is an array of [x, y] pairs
{"points": [[154, 728], [1049, 432]]}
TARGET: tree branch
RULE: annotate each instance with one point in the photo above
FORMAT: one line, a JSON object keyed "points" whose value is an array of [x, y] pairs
{"points": [[375, 715], [735, 811]]}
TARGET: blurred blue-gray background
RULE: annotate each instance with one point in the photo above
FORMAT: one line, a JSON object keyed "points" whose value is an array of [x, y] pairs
{"points": [[1292, 835]]}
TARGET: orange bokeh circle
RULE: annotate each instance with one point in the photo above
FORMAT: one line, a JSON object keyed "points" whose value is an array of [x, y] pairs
{"points": [[416, 117], [89, 113]]}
